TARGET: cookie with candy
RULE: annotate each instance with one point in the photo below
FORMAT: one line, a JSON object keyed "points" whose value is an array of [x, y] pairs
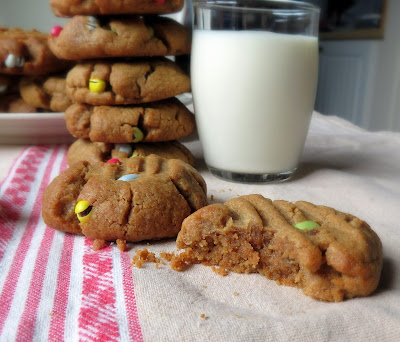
{"points": [[96, 152], [330, 255], [150, 122], [131, 199], [24, 52], [69, 8], [125, 82], [89, 37]]}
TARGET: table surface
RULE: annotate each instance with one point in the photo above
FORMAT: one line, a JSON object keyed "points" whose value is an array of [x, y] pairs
{"points": [[53, 286]]}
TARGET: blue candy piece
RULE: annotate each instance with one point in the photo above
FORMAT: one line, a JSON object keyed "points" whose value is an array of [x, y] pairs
{"points": [[128, 178]]}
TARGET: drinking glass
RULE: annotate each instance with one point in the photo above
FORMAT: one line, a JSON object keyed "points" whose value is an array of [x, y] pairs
{"points": [[254, 66]]}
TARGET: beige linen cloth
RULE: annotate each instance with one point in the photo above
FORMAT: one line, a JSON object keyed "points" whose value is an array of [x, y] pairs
{"points": [[54, 287], [343, 167]]}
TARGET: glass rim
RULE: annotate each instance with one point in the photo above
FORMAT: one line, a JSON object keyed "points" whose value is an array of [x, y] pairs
{"points": [[250, 5]]}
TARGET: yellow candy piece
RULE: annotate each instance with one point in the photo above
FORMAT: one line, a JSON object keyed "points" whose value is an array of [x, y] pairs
{"points": [[83, 211], [97, 85], [137, 135]]}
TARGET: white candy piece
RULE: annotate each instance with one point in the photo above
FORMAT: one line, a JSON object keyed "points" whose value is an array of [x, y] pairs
{"points": [[92, 23], [127, 148], [13, 61]]}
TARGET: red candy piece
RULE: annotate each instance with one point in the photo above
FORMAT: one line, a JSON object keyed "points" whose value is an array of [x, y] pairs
{"points": [[55, 31], [113, 160]]}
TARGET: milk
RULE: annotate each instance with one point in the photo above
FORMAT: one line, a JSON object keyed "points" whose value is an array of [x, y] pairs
{"points": [[253, 94]]}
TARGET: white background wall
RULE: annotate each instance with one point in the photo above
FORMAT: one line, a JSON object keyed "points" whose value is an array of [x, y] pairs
{"points": [[360, 79], [385, 107], [28, 14]]}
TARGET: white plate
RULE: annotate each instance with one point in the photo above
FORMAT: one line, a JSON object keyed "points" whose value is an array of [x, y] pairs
{"points": [[34, 128]]}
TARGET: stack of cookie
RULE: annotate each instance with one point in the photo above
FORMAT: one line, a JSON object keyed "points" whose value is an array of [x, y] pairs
{"points": [[31, 76], [123, 87]]}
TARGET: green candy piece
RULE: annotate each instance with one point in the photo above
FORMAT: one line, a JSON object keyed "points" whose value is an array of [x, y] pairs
{"points": [[151, 31], [307, 225], [113, 30], [137, 135]]}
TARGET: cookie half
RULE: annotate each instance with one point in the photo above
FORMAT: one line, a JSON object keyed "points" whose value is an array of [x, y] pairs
{"points": [[27, 53], [134, 199], [96, 152], [85, 37], [113, 83], [154, 122], [331, 255], [47, 92], [69, 8]]}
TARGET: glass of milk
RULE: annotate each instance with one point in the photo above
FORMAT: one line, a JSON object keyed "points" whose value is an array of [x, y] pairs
{"points": [[254, 66]]}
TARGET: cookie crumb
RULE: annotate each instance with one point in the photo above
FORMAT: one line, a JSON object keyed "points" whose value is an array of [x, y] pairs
{"points": [[166, 256], [142, 256], [182, 261], [121, 244], [235, 294], [98, 244], [220, 270], [177, 262], [203, 316]]}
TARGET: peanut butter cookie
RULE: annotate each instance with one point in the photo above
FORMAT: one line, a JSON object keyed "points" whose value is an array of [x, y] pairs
{"points": [[130, 199], [95, 152], [69, 8], [13, 103], [9, 84], [47, 92], [153, 122], [85, 37], [27, 53], [138, 81], [329, 254]]}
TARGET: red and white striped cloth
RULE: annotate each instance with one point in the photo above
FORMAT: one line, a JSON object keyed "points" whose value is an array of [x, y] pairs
{"points": [[53, 286]]}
